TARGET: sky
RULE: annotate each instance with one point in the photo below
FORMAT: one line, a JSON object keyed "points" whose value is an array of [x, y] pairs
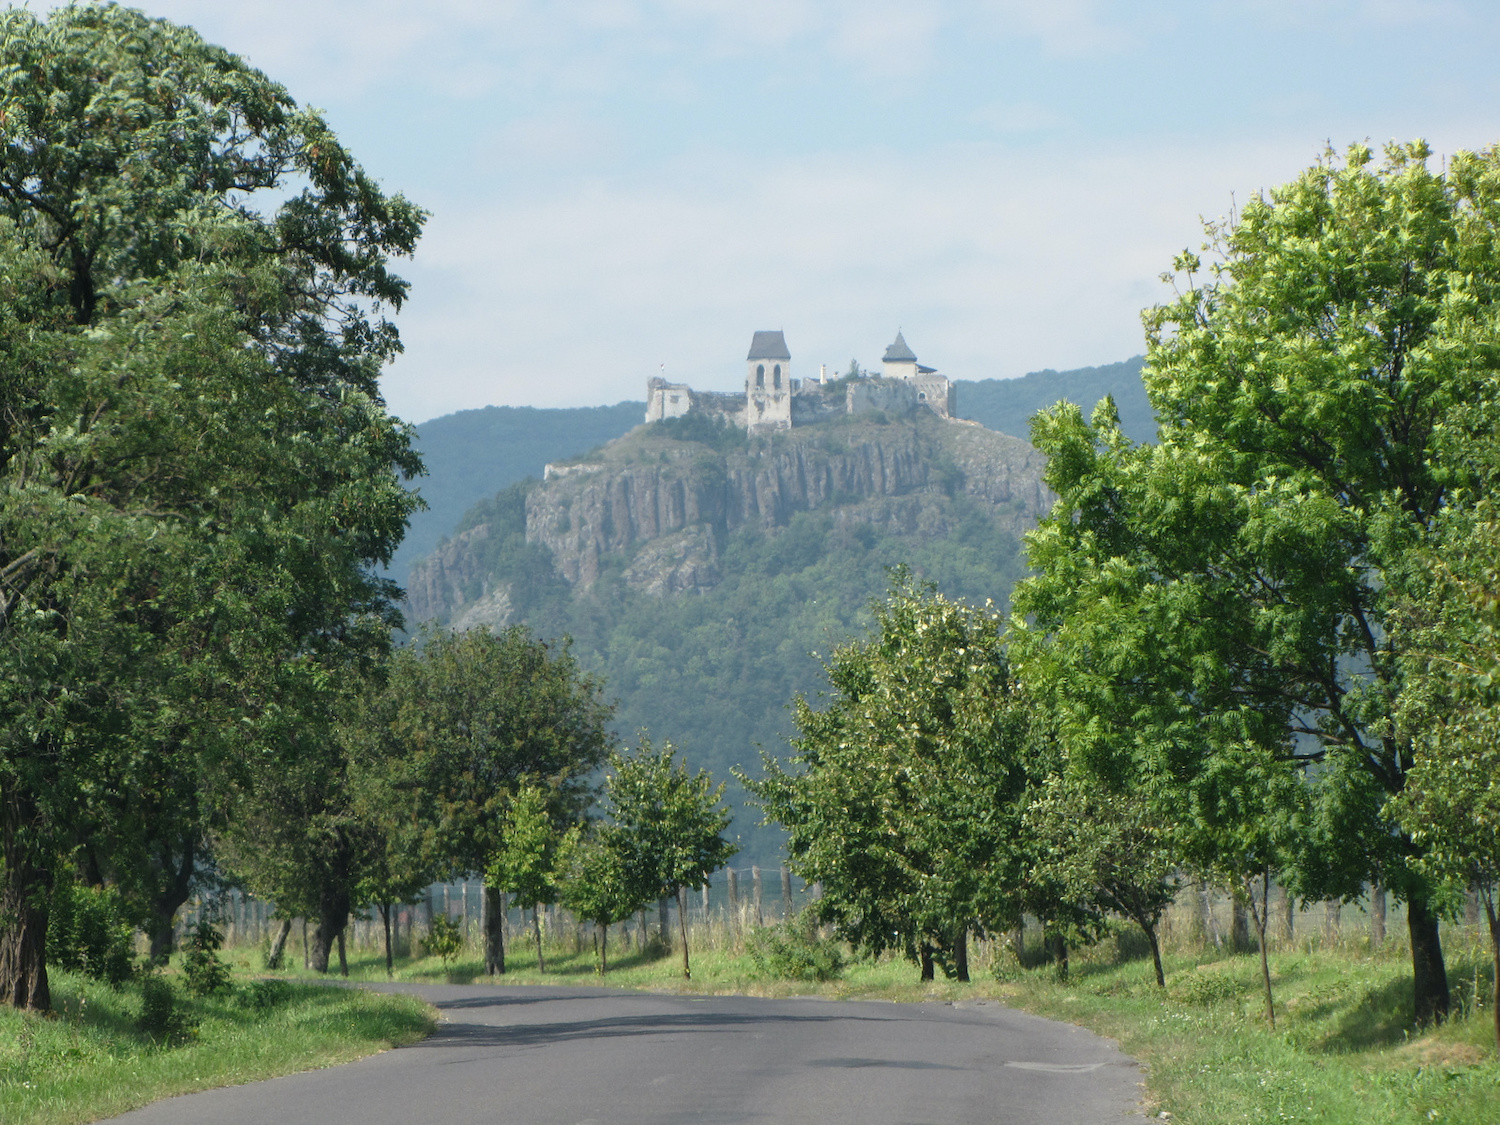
{"points": [[626, 188]]}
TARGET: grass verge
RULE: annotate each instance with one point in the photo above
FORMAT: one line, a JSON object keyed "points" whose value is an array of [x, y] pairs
{"points": [[1343, 1052], [90, 1059]]}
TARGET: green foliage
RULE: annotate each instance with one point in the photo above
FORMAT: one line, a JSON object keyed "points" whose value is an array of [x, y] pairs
{"points": [[202, 967], [463, 724], [795, 950], [1220, 612], [669, 822], [712, 430], [162, 1017], [1104, 852], [264, 995], [89, 931], [601, 879], [199, 475], [907, 791], [531, 846], [444, 940]]}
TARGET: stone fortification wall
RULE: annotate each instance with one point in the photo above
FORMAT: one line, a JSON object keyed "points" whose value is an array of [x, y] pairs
{"points": [[894, 396]]}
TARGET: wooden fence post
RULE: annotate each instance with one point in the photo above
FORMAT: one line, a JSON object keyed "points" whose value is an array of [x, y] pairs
{"points": [[786, 895], [760, 917]]}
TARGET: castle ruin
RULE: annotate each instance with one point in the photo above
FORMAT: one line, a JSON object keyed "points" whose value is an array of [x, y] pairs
{"points": [[773, 400]]}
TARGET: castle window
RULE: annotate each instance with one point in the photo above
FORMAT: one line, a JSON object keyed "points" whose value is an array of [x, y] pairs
{"points": [[921, 396], [760, 374], [776, 375]]}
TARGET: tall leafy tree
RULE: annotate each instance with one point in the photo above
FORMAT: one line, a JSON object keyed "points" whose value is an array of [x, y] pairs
{"points": [[462, 721], [196, 471], [670, 823], [1234, 586], [603, 883]]}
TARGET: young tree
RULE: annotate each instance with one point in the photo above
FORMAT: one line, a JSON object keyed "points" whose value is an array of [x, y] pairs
{"points": [[1248, 567], [1107, 851], [670, 822], [198, 472], [908, 803], [601, 881], [528, 861]]}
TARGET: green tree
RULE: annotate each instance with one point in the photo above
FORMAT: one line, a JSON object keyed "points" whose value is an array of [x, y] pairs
{"points": [[198, 474], [911, 784], [671, 824], [530, 856], [1238, 584], [461, 722], [602, 883], [1107, 852]]}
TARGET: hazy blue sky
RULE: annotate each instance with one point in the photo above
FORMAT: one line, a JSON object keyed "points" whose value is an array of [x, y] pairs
{"points": [[625, 184]]}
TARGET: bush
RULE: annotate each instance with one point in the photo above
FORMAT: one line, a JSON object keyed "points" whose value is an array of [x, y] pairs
{"points": [[444, 940], [263, 995], [88, 932], [206, 974], [795, 951], [160, 1016]]}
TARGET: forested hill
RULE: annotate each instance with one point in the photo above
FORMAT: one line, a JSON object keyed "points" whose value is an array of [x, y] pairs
{"points": [[473, 454], [1008, 404], [697, 569]]}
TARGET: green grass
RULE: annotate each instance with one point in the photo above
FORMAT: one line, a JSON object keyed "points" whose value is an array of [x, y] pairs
{"points": [[1344, 1049], [89, 1060]]}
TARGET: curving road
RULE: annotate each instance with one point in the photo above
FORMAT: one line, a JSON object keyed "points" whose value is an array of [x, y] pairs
{"points": [[574, 1056]]}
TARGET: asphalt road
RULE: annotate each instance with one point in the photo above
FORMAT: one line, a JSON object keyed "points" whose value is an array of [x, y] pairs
{"points": [[573, 1056]]}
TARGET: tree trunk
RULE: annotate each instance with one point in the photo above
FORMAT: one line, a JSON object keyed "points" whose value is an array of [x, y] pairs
{"points": [[1149, 929], [927, 970], [1059, 945], [1429, 975], [1377, 915], [494, 931], [1494, 921], [24, 900], [385, 922], [1239, 925], [277, 955], [333, 917], [961, 954], [1262, 920], [306, 953], [343, 961], [536, 928], [177, 881], [687, 971]]}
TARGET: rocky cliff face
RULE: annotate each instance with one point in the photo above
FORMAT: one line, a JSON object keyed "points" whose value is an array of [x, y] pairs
{"points": [[663, 508]]}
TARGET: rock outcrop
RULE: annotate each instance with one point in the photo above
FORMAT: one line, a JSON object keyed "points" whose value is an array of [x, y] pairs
{"points": [[663, 508]]}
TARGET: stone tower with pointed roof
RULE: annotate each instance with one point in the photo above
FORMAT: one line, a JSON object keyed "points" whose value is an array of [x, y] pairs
{"points": [[933, 390], [768, 383]]}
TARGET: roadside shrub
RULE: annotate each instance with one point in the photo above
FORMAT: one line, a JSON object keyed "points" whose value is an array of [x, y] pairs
{"points": [[206, 974], [795, 951], [444, 940], [89, 932], [263, 995], [1207, 988], [161, 1018]]}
